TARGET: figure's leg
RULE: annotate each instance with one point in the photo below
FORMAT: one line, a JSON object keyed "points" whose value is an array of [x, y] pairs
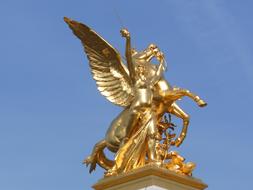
{"points": [[177, 93], [177, 111], [134, 115], [153, 140], [132, 119]]}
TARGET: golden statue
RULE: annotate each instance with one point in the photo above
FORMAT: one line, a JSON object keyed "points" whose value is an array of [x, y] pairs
{"points": [[141, 134]]}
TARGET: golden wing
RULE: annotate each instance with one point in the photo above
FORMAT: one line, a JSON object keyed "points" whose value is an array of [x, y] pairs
{"points": [[109, 72]]}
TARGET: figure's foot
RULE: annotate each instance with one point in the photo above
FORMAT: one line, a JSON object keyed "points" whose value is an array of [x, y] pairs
{"points": [[201, 103], [157, 163], [110, 172]]}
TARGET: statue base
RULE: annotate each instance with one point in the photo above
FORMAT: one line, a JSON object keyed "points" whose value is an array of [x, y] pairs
{"points": [[150, 177]]}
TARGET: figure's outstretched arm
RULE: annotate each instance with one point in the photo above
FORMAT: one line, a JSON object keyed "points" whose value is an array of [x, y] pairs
{"points": [[148, 55], [124, 32]]}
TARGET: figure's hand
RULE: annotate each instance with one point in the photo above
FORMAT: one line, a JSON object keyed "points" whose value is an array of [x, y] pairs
{"points": [[124, 33], [160, 56]]}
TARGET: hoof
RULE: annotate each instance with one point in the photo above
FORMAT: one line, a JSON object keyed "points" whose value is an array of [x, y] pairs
{"points": [[202, 103], [178, 143], [88, 160]]}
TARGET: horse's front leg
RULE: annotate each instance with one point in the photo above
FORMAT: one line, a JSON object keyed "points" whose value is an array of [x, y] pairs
{"points": [[177, 93], [178, 112]]}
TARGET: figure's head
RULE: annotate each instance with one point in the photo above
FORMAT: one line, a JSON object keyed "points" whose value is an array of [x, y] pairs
{"points": [[141, 69]]}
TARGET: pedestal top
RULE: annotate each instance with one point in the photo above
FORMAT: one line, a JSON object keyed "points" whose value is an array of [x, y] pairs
{"points": [[148, 176]]}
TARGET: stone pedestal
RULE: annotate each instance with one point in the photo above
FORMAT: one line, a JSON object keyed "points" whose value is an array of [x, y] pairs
{"points": [[150, 177]]}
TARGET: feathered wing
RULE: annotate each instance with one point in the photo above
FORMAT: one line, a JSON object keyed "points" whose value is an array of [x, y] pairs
{"points": [[106, 66]]}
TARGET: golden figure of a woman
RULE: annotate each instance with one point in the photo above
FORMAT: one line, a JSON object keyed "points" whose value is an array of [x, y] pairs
{"points": [[142, 138]]}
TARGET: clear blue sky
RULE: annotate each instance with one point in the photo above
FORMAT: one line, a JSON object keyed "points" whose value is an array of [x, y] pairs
{"points": [[51, 113]]}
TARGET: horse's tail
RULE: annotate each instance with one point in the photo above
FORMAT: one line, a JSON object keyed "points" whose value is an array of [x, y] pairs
{"points": [[98, 157]]}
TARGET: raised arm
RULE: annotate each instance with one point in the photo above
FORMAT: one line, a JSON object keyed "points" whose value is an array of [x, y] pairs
{"points": [[124, 32]]}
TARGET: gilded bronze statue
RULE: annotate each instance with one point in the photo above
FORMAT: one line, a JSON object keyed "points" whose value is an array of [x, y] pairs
{"points": [[139, 134]]}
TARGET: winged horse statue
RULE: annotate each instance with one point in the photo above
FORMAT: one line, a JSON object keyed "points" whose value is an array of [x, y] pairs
{"points": [[139, 87]]}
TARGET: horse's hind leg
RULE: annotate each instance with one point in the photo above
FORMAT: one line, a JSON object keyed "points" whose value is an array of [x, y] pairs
{"points": [[178, 112], [92, 159]]}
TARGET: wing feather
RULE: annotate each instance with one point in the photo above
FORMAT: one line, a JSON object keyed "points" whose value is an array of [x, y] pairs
{"points": [[110, 74]]}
